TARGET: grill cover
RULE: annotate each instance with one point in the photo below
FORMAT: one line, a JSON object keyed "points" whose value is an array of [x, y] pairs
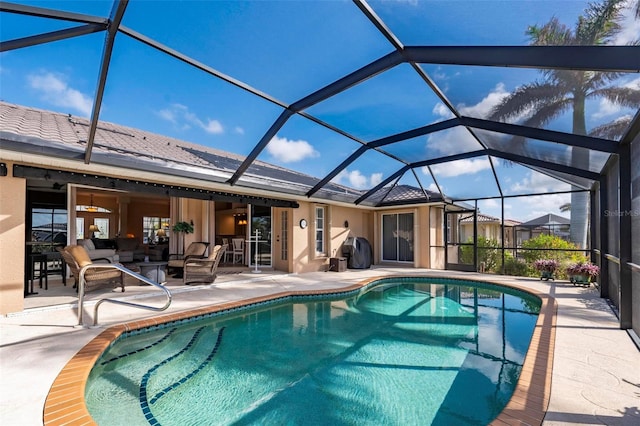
{"points": [[358, 252]]}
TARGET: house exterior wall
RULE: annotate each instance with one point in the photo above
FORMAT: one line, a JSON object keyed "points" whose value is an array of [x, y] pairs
{"points": [[342, 221], [303, 240], [13, 193]]}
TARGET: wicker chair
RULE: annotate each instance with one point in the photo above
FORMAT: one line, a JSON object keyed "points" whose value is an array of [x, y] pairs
{"points": [[203, 270], [195, 250], [77, 258]]}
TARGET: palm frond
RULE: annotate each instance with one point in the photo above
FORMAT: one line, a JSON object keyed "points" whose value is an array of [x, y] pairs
{"points": [[599, 23], [613, 130], [597, 79], [547, 112], [553, 33], [524, 99], [623, 96]]}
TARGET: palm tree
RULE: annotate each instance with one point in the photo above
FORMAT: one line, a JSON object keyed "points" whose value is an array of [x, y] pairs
{"points": [[561, 91]]}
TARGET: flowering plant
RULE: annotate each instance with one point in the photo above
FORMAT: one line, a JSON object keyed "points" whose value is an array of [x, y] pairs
{"points": [[588, 269], [548, 265]]}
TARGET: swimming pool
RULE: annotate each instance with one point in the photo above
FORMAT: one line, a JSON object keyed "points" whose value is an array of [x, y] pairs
{"points": [[400, 351]]}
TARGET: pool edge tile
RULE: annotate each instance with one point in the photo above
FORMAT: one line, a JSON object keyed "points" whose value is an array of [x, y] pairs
{"points": [[535, 389]]}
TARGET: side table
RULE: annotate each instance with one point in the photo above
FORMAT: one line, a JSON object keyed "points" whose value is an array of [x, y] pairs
{"points": [[153, 270]]}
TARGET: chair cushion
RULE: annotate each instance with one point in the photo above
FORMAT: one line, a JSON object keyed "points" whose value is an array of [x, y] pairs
{"points": [[87, 243], [80, 254], [175, 263], [197, 249]]}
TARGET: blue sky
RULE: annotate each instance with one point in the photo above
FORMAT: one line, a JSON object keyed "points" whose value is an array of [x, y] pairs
{"points": [[287, 50]]}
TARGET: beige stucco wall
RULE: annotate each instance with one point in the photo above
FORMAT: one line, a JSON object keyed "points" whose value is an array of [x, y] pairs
{"points": [[304, 259], [12, 242]]}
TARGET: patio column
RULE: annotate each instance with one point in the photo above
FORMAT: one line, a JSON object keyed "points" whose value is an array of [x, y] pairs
{"points": [[604, 240], [625, 212], [13, 194]]}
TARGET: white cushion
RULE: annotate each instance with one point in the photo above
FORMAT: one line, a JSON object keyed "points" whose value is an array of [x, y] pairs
{"points": [[87, 243]]}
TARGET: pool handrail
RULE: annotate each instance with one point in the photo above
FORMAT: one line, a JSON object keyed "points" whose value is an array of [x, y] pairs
{"points": [[82, 282]]}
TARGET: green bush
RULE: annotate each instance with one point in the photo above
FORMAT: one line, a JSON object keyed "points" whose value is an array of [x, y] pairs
{"points": [[488, 253], [533, 249], [516, 267]]}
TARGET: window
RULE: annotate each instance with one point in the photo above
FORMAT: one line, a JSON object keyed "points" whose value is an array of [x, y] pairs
{"points": [[320, 222], [49, 225], [103, 227], [151, 227], [79, 228]]}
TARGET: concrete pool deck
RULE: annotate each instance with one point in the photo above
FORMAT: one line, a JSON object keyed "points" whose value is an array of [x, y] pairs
{"points": [[596, 366]]}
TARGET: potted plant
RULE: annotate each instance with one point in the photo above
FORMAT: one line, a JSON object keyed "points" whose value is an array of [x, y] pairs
{"points": [[546, 267], [582, 272], [183, 228]]}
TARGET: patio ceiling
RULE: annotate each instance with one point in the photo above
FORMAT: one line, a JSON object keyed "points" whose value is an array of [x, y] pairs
{"points": [[372, 113]]}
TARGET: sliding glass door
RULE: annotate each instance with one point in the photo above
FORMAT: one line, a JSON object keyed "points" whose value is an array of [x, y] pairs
{"points": [[397, 237]]}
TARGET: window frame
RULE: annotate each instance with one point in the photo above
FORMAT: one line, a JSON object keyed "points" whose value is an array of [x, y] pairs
{"points": [[323, 230]]}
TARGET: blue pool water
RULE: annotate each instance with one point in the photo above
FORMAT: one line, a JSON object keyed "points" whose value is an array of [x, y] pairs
{"points": [[409, 352]]}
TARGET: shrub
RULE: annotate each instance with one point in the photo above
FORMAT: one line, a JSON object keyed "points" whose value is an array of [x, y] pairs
{"points": [[516, 267], [488, 253], [534, 250]]}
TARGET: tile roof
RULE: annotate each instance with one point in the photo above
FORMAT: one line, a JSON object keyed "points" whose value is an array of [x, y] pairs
{"points": [[26, 125]]}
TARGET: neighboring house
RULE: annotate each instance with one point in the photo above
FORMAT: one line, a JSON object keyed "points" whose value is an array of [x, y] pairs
{"points": [[549, 224], [488, 227]]}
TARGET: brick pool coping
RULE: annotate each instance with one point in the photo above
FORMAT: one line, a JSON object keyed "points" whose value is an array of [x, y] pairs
{"points": [[65, 404]]}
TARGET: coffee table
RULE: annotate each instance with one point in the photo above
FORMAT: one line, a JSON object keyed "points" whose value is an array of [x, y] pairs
{"points": [[155, 271]]}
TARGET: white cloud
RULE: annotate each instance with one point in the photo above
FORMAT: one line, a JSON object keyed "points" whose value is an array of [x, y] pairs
{"points": [[452, 141], [432, 187], [56, 91], [490, 203], [459, 139], [214, 127], [459, 167], [606, 109], [484, 107], [289, 151], [180, 116], [239, 130], [533, 207], [167, 115], [355, 179], [539, 183], [441, 110]]}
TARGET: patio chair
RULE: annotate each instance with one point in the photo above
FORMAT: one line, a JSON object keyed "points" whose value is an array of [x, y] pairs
{"points": [[76, 258], [203, 270], [196, 250]]}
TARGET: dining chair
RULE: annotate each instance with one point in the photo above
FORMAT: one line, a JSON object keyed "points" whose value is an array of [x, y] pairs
{"points": [[238, 249], [228, 252]]}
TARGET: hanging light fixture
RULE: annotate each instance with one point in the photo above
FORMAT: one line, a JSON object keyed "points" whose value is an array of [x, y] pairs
{"points": [[92, 208]]}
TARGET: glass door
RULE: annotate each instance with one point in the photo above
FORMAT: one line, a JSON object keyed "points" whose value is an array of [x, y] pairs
{"points": [[397, 237], [259, 247], [460, 231]]}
